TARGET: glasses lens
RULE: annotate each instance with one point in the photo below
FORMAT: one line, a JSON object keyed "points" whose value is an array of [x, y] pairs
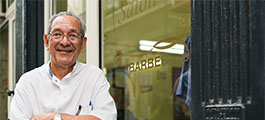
{"points": [[73, 36], [59, 36]]}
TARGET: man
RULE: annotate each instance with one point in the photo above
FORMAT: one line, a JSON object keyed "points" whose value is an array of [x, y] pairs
{"points": [[63, 89]]}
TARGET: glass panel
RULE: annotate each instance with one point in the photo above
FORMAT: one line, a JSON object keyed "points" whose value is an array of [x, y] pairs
{"points": [[10, 2], [3, 8], [3, 70], [143, 55], [59, 6], [14, 54], [77, 7]]}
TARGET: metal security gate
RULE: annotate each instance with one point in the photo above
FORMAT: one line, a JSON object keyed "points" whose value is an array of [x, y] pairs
{"points": [[227, 52]]}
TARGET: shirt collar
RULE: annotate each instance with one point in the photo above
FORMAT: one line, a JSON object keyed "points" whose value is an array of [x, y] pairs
{"points": [[75, 68]]}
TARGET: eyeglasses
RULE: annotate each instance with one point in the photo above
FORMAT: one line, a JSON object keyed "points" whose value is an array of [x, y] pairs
{"points": [[70, 36]]}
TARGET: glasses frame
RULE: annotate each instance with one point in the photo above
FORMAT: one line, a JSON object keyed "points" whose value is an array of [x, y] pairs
{"points": [[63, 35]]}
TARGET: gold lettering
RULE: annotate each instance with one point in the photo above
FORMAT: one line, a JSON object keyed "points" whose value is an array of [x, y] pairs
{"points": [[154, 3], [128, 11], [143, 64], [150, 63], [157, 61], [132, 10], [142, 10], [131, 67], [137, 66], [136, 10], [120, 21]]}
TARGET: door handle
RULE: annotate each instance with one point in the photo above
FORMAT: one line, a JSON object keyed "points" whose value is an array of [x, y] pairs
{"points": [[10, 92]]}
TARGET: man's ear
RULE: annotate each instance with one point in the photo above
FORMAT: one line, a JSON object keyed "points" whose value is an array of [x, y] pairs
{"points": [[46, 41], [83, 44]]}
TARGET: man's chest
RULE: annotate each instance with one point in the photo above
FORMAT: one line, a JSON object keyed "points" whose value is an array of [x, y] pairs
{"points": [[61, 98]]}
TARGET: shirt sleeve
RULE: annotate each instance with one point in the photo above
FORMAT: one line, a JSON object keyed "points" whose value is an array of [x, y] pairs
{"points": [[103, 104], [20, 105]]}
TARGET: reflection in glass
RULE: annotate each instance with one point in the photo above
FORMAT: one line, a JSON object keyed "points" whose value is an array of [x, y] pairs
{"points": [[148, 76]]}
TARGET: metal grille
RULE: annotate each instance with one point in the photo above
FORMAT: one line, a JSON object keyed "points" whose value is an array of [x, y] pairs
{"points": [[225, 37], [224, 47]]}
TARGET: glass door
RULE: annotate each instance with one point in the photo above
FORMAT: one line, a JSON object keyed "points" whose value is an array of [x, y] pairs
{"points": [[143, 56]]}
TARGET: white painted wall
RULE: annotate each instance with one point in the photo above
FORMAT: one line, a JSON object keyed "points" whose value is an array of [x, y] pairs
{"points": [[10, 17]]}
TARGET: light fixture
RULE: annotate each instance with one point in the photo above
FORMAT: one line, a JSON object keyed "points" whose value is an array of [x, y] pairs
{"points": [[147, 45]]}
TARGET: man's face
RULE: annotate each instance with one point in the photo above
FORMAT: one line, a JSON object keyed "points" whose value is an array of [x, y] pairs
{"points": [[65, 49]]}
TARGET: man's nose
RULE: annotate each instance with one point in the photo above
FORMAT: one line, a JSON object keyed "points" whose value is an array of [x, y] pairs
{"points": [[65, 41]]}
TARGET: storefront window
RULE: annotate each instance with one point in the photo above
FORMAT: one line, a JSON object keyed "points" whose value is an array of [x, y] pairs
{"points": [[77, 7], [143, 56]]}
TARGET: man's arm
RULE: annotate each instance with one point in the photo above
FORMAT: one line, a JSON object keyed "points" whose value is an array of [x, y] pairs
{"points": [[46, 116], [103, 104], [50, 116], [20, 108], [80, 117]]}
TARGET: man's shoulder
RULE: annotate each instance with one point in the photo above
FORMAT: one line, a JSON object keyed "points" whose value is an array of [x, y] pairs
{"points": [[89, 68], [33, 73]]}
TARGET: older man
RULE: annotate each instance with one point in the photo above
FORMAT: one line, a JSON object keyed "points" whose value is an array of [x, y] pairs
{"points": [[63, 89]]}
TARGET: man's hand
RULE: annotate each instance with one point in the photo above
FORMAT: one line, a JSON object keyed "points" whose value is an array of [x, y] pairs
{"points": [[45, 116]]}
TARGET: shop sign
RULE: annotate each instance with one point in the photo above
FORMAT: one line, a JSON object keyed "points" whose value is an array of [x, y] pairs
{"points": [[151, 62], [148, 63], [134, 8]]}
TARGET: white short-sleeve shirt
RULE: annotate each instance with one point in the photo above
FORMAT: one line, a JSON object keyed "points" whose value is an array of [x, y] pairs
{"points": [[39, 91]]}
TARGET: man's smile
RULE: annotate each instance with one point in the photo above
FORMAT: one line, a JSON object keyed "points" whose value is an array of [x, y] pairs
{"points": [[64, 50]]}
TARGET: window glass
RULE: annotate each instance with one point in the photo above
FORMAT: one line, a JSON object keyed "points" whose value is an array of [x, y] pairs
{"points": [[14, 54], [3, 8], [140, 60], [10, 2], [3, 70], [77, 7]]}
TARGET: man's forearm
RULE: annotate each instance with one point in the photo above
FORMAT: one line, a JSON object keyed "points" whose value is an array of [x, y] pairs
{"points": [[80, 117], [50, 116], [45, 116]]}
